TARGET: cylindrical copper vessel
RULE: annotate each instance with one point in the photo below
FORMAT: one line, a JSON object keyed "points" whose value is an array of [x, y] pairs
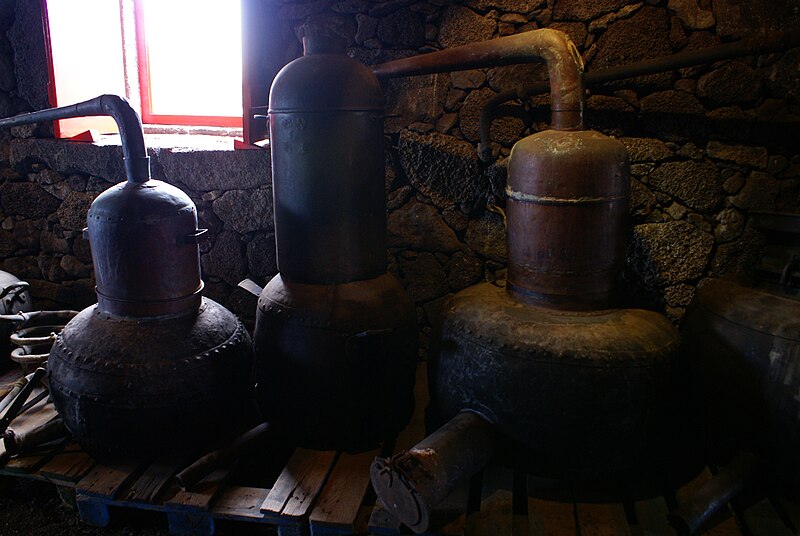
{"points": [[567, 218]]}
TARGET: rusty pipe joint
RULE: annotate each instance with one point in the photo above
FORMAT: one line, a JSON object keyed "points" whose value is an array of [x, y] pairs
{"points": [[564, 67]]}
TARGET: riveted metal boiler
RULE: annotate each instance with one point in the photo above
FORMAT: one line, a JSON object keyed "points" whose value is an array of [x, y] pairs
{"points": [[545, 367], [335, 338], [154, 365]]}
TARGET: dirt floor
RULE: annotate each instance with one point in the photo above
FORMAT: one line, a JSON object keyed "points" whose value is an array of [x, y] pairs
{"points": [[31, 508]]}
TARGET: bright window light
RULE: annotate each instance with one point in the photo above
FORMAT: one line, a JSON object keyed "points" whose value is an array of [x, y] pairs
{"points": [[194, 50], [86, 52], [177, 61]]}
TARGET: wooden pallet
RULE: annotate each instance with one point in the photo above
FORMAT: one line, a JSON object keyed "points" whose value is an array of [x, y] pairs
{"points": [[320, 493]]}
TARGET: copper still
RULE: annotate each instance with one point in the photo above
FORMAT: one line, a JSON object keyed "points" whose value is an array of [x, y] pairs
{"points": [[742, 335], [153, 365], [335, 338], [545, 368]]}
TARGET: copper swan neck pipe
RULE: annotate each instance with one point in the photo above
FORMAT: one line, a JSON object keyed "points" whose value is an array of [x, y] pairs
{"points": [[564, 66], [134, 151]]}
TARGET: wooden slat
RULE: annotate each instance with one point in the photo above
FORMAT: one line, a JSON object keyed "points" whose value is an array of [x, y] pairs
{"points": [[239, 503], [602, 520], [69, 465], [106, 481], [549, 518], [344, 491], [298, 485], [153, 480]]}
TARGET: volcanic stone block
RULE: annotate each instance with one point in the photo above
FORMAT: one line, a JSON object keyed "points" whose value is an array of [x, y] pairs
{"points": [[669, 253], [460, 25], [695, 184], [442, 167], [419, 226]]}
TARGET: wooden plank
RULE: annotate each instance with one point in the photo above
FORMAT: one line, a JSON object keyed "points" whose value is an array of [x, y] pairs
{"points": [[299, 483], [341, 497], [239, 503], [651, 516], [69, 465], [602, 520], [202, 494], [153, 480], [549, 518], [763, 520], [722, 523], [106, 481]]}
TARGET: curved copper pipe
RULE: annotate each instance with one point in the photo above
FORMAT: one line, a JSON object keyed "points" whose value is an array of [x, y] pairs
{"points": [[134, 151], [564, 66]]}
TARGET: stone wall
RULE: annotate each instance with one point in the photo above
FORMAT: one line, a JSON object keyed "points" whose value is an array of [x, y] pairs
{"points": [[708, 145]]}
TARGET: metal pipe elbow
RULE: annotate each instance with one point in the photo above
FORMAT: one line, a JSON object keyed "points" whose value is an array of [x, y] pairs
{"points": [[564, 66]]}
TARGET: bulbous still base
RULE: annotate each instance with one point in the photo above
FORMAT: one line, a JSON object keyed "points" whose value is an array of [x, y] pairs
{"points": [[335, 364], [132, 388], [580, 396], [744, 345]]}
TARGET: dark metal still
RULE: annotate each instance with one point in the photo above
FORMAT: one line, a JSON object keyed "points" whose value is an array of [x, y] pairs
{"points": [[153, 365], [742, 335], [336, 336]]}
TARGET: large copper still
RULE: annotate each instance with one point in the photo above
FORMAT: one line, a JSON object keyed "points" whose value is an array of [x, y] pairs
{"points": [[335, 338], [153, 365], [547, 364]]}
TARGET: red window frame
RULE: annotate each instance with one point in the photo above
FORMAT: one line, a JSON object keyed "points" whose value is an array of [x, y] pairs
{"points": [[142, 64]]}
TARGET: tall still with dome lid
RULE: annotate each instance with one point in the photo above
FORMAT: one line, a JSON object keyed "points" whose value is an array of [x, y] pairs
{"points": [[154, 365], [336, 337]]}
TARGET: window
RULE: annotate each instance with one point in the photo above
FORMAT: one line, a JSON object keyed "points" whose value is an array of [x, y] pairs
{"points": [[179, 62]]}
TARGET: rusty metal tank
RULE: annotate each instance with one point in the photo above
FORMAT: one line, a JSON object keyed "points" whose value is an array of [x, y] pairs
{"points": [[153, 366], [335, 337], [742, 335]]}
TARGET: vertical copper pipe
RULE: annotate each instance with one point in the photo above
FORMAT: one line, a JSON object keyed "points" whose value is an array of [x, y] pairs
{"points": [[564, 66]]}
